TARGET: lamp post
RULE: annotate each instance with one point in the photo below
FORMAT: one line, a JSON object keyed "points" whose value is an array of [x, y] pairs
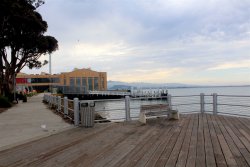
{"points": [[50, 73]]}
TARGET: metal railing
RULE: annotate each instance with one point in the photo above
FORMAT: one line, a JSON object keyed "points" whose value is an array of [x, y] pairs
{"points": [[128, 108], [63, 106], [216, 104]]}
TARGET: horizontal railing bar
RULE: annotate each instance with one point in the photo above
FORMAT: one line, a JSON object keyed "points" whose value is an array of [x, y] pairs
{"points": [[111, 110], [184, 104], [234, 114], [187, 96], [234, 95], [236, 105]]}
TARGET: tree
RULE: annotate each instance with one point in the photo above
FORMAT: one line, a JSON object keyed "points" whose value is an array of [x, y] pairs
{"points": [[22, 39]]}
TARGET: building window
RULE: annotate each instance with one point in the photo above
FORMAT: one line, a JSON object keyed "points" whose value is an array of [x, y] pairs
{"points": [[96, 85], [64, 81], [102, 82], [72, 81], [78, 82], [55, 80], [90, 83], [84, 83], [40, 80]]}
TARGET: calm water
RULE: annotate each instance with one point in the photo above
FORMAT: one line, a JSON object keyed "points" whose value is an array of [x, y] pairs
{"points": [[116, 109], [218, 90]]}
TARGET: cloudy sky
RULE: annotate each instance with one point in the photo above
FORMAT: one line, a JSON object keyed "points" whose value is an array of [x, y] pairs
{"points": [[161, 41]]}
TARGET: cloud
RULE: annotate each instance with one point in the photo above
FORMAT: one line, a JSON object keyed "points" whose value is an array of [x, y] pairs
{"points": [[150, 40], [232, 65]]}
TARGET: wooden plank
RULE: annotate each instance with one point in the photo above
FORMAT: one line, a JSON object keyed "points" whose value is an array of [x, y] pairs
{"points": [[164, 142], [150, 152], [102, 152], [245, 125], [134, 141], [193, 143], [215, 139], [234, 149], [84, 148], [34, 150], [201, 158], [224, 146], [219, 157], [182, 158], [210, 159], [145, 143], [177, 147], [168, 149], [236, 133]]}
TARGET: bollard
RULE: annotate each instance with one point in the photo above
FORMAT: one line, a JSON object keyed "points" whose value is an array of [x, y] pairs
{"points": [[76, 111], [202, 102], [215, 104], [127, 108], [65, 101]]}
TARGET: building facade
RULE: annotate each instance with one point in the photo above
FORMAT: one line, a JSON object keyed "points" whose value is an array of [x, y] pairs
{"points": [[83, 79]]}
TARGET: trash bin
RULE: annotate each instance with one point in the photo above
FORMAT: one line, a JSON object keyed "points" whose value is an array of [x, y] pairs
{"points": [[87, 112]]}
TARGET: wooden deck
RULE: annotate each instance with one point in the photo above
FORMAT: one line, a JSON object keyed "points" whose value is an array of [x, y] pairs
{"points": [[194, 140]]}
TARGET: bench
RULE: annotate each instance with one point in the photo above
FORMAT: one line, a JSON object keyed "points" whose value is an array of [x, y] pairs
{"points": [[155, 111]]}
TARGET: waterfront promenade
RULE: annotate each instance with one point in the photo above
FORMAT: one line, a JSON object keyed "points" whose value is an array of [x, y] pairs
{"points": [[194, 140], [24, 121]]}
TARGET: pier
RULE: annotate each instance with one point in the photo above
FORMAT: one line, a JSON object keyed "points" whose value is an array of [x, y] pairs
{"points": [[85, 94], [194, 140]]}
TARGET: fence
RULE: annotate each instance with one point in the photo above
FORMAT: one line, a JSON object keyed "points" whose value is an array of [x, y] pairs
{"points": [[129, 108], [217, 104]]}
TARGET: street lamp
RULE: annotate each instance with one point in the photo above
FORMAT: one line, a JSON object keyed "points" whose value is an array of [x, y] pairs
{"points": [[50, 73]]}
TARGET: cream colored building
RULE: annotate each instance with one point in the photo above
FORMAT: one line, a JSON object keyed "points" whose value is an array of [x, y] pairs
{"points": [[82, 78]]}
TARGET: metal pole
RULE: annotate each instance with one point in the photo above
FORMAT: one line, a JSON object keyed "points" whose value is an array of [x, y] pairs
{"points": [[65, 103], [169, 99], [50, 73], [76, 111], [215, 104], [59, 102], [202, 102], [127, 108]]}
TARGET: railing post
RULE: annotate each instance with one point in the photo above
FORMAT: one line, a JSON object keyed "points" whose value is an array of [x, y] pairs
{"points": [[127, 108], [65, 102], [59, 103], [76, 111], [169, 100], [215, 104], [50, 101], [202, 95]]}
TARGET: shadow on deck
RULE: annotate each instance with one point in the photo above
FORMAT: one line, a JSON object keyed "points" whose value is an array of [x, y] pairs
{"points": [[194, 140]]}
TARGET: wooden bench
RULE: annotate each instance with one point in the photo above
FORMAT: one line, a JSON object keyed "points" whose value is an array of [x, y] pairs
{"points": [[153, 111]]}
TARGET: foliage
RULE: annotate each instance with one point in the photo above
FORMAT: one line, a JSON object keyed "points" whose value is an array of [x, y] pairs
{"points": [[24, 98], [22, 39], [4, 102]]}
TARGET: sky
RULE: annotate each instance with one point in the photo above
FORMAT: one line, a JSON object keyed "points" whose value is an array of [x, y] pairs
{"points": [[204, 42]]}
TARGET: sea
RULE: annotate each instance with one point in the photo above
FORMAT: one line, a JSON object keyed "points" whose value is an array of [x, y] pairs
{"points": [[223, 90], [231, 100]]}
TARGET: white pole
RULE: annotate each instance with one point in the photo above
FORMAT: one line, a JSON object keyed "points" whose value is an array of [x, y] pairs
{"points": [[76, 111], [50, 73], [127, 108]]}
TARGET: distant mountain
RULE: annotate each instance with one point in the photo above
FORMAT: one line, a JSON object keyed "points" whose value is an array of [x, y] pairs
{"points": [[117, 85]]}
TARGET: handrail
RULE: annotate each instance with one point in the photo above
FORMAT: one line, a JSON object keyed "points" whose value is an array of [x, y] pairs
{"points": [[216, 104]]}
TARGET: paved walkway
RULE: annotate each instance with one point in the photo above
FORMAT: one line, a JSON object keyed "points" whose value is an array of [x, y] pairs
{"points": [[25, 122]]}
